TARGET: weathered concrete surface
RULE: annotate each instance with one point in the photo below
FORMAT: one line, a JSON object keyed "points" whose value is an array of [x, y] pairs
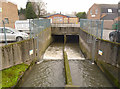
{"points": [[109, 61], [110, 51], [65, 25], [19, 52], [65, 30]]}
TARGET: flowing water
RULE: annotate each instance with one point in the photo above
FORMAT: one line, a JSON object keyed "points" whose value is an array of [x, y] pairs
{"points": [[83, 72], [50, 72]]}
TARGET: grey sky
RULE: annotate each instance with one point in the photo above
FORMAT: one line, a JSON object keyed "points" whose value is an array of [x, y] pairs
{"points": [[67, 6]]}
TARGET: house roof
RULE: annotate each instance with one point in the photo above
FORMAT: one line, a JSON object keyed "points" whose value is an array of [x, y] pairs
{"points": [[108, 5], [104, 9], [69, 15], [56, 14], [110, 16]]}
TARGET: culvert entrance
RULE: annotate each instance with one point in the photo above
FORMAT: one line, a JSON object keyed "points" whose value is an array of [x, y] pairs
{"points": [[69, 38], [58, 38], [72, 38]]}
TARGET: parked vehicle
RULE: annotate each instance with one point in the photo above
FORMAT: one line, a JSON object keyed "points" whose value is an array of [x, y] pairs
{"points": [[115, 35], [22, 26], [12, 34]]}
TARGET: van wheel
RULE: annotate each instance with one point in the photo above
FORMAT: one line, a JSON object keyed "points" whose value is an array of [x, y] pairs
{"points": [[19, 39]]}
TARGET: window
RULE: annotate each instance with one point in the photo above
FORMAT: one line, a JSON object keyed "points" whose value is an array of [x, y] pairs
{"points": [[0, 9], [96, 11], [7, 20], [91, 12], [119, 10], [8, 31], [109, 10], [1, 30]]}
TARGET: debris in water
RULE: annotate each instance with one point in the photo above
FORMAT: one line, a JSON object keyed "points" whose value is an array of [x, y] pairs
{"points": [[39, 62], [93, 63]]}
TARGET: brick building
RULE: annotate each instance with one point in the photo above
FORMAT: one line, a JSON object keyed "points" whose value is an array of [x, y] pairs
{"points": [[106, 12], [8, 13], [63, 19]]}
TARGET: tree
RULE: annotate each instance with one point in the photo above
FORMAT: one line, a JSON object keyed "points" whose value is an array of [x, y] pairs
{"points": [[30, 13], [81, 15], [21, 11], [39, 7]]}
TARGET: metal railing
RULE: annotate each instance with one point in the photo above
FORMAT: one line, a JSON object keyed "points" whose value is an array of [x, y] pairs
{"points": [[38, 25], [94, 27], [65, 25]]}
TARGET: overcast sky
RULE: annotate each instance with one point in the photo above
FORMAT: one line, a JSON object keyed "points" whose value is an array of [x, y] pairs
{"points": [[67, 6]]}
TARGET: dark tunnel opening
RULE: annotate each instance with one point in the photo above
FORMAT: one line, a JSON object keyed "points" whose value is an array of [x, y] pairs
{"points": [[58, 38], [72, 38], [69, 38]]}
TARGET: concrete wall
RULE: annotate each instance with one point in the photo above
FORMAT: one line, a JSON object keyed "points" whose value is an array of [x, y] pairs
{"points": [[19, 52], [65, 30], [110, 50], [109, 61]]}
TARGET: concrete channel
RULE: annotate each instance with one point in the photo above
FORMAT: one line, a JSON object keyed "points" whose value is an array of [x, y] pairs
{"points": [[50, 72]]}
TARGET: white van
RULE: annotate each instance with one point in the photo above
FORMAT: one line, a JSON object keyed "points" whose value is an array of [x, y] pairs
{"points": [[22, 26]]}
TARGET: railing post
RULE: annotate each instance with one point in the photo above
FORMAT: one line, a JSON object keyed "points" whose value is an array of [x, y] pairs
{"points": [[5, 33]]}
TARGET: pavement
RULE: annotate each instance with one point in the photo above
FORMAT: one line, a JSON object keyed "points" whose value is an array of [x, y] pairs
{"points": [[106, 34]]}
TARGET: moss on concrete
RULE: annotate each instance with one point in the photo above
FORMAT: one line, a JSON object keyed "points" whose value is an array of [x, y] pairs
{"points": [[107, 73], [11, 75], [67, 70]]}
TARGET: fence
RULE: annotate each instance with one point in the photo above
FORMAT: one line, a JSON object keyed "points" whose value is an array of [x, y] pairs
{"points": [[34, 27], [93, 27], [30, 49], [37, 25]]}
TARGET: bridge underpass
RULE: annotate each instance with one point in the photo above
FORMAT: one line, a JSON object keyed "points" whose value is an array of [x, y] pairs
{"points": [[49, 70]]}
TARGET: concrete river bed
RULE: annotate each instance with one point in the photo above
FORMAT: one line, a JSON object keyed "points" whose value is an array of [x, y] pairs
{"points": [[51, 73]]}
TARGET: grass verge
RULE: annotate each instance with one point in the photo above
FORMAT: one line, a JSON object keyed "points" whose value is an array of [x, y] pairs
{"points": [[11, 75]]}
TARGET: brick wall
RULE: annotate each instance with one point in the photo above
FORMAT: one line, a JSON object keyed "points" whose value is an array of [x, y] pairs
{"points": [[10, 11], [95, 16]]}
